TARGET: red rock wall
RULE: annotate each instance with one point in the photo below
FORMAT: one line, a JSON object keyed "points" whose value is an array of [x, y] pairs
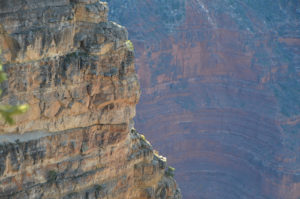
{"points": [[220, 92]]}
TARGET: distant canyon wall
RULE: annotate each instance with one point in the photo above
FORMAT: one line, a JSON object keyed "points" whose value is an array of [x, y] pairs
{"points": [[220, 85]]}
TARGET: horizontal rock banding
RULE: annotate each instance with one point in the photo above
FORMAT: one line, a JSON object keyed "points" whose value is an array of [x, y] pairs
{"points": [[75, 69]]}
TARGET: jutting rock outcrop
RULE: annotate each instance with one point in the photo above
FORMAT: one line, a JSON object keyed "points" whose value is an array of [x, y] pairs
{"points": [[76, 71]]}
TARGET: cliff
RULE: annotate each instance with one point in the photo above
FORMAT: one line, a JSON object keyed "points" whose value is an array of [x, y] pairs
{"points": [[220, 86], [76, 71]]}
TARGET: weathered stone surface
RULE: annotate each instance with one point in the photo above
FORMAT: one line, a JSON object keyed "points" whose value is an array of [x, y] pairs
{"points": [[99, 161], [220, 92], [76, 72]]}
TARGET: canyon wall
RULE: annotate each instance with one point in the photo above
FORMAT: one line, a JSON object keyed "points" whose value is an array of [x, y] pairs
{"points": [[75, 70], [220, 85]]}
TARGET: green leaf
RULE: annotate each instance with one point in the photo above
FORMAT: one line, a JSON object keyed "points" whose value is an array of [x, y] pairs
{"points": [[8, 111], [2, 77]]}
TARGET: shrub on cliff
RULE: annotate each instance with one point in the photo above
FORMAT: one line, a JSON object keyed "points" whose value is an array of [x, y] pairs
{"points": [[170, 171], [51, 176], [129, 45]]}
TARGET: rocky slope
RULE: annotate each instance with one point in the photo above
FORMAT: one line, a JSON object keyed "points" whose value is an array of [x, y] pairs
{"points": [[75, 69], [220, 86]]}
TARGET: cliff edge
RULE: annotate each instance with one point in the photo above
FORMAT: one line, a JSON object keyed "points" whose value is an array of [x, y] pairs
{"points": [[75, 69]]}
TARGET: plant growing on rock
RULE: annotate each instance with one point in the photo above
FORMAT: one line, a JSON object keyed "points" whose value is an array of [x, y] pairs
{"points": [[51, 176], [170, 171], [129, 45]]}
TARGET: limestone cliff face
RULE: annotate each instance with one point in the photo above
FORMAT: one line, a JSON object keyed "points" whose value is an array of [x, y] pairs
{"points": [[75, 70]]}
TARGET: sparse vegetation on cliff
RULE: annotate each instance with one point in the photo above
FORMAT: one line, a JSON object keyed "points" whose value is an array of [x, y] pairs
{"points": [[170, 171], [51, 176], [129, 45]]}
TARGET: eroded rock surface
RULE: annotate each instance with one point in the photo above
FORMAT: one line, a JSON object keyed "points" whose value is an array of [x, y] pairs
{"points": [[75, 69], [220, 84]]}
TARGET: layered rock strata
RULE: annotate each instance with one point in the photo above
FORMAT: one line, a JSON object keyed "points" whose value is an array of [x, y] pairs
{"points": [[220, 86], [75, 69]]}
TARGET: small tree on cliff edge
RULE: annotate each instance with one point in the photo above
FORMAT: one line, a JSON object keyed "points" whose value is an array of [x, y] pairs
{"points": [[8, 111]]}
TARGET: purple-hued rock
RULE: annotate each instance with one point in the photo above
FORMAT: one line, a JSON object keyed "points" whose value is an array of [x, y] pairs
{"points": [[220, 92]]}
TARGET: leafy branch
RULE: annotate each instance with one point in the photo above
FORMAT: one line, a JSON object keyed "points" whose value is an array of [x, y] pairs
{"points": [[8, 111]]}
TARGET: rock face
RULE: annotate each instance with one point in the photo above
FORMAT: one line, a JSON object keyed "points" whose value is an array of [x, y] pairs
{"points": [[220, 86], [75, 69]]}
